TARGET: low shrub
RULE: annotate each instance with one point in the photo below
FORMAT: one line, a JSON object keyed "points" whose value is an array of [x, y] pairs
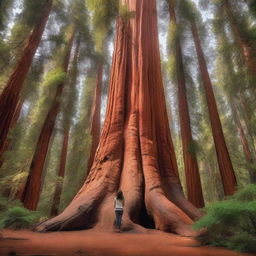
{"points": [[231, 223], [13, 215]]}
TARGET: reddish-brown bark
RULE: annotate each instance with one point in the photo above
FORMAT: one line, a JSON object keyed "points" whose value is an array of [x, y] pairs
{"points": [[224, 161], [135, 152], [61, 173], [245, 44], [193, 182], [31, 193], [95, 117], [9, 99]]}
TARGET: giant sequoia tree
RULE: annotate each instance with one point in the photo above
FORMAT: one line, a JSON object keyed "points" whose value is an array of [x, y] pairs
{"points": [[135, 152]]}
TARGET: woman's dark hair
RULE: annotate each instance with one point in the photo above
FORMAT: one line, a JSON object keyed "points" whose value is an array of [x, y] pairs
{"points": [[120, 195]]}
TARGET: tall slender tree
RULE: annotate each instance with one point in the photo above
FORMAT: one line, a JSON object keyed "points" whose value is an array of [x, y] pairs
{"points": [[76, 24], [103, 14], [31, 193], [69, 110], [224, 161], [9, 99], [81, 142], [226, 75], [194, 188], [242, 36]]}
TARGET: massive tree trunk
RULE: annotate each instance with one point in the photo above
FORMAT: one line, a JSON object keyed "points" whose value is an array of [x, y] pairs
{"points": [[61, 172], [135, 152], [224, 161], [193, 182], [95, 117], [31, 193], [245, 43], [9, 99]]}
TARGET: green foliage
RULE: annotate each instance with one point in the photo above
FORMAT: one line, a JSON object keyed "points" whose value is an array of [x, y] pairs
{"points": [[188, 10], [79, 145], [173, 35], [31, 12], [246, 194], [193, 147], [14, 215], [24, 23], [125, 14], [232, 223], [16, 169], [252, 6], [5, 6], [54, 78], [17, 217], [19, 33], [4, 53], [103, 14]]}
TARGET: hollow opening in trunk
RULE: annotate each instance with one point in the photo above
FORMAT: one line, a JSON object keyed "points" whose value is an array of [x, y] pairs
{"points": [[145, 220]]}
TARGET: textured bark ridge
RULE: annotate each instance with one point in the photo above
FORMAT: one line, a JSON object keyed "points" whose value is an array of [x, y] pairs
{"points": [[9, 99], [135, 152]]}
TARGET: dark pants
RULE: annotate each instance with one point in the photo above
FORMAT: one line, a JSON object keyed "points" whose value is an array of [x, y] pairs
{"points": [[119, 214]]}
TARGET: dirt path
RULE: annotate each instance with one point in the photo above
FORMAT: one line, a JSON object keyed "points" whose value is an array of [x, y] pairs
{"points": [[94, 243]]}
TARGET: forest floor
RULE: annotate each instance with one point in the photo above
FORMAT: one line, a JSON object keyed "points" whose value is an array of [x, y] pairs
{"points": [[95, 243]]}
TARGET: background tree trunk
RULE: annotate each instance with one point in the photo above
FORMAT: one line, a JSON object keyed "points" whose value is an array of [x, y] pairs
{"points": [[9, 99], [61, 173], [224, 161], [244, 43], [193, 182], [31, 193], [246, 148]]}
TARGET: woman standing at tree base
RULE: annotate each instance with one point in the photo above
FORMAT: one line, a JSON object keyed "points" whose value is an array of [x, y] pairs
{"points": [[119, 205]]}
